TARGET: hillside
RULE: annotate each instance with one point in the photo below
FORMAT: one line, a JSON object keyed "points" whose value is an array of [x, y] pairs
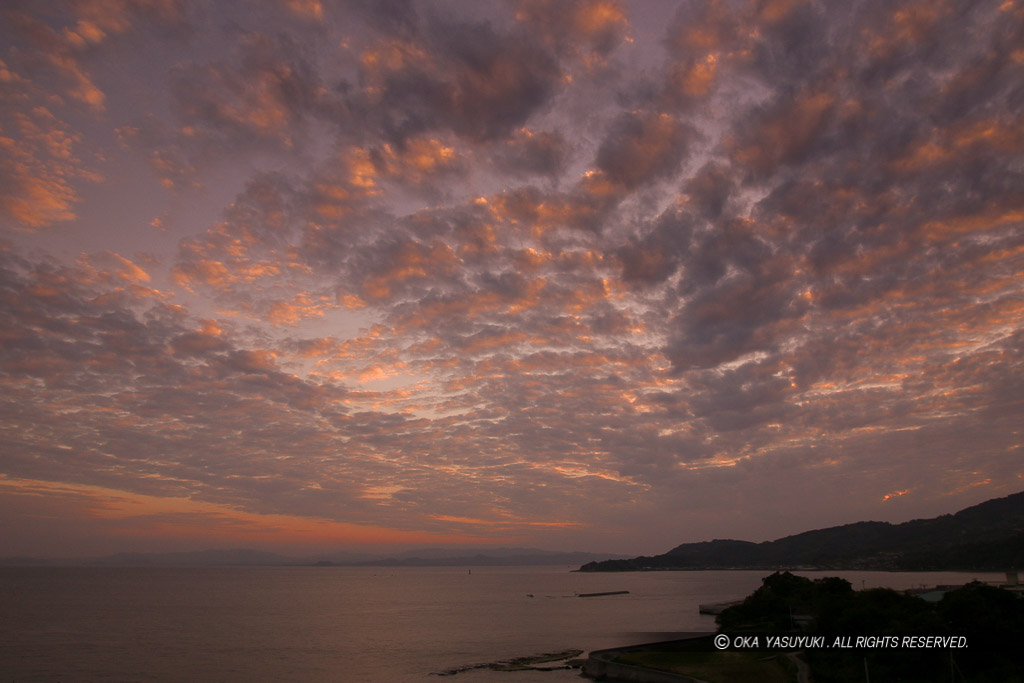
{"points": [[988, 536]]}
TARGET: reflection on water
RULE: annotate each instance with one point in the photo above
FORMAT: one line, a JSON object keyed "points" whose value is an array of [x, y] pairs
{"points": [[341, 623]]}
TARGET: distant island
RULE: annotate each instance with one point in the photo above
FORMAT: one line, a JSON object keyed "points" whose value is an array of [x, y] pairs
{"points": [[426, 557], [985, 537]]}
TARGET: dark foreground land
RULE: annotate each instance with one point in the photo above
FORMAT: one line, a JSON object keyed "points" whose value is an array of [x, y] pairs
{"points": [[973, 633], [687, 661], [713, 667]]}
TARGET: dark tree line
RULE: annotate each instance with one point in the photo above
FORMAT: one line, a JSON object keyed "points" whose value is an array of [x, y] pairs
{"points": [[991, 619]]}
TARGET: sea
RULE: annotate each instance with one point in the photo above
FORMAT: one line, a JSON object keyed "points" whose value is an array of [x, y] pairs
{"points": [[410, 624]]}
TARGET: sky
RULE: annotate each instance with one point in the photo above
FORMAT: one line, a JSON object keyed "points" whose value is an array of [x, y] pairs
{"points": [[581, 275]]}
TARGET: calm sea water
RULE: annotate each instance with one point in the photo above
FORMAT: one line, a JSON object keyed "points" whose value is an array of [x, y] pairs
{"points": [[346, 624]]}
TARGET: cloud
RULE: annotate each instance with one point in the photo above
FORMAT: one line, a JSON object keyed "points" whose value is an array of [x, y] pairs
{"points": [[39, 168], [595, 27], [641, 148], [784, 133], [46, 78], [548, 271], [657, 255], [477, 81], [62, 52], [307, 9], [248, 247], [542, 153], [263, 98]]}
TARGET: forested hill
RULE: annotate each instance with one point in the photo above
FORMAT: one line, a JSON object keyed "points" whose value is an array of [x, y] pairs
{"points": [[988, 536]]}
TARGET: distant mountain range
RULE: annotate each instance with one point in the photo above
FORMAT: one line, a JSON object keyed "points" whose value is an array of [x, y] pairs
{"points": [[426, 557], [988, 536]]}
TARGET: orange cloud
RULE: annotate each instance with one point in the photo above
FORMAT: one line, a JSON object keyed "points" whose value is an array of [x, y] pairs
{"points": [[773, 11], [786, 133], [410, 260], [975, 223], [335, 198], [908, 24], [470, 307], [300, 307], [307, 9], [319, 348], [120, 512], [37, 201], [594, 18], [95, 21], [588, 28], [696, 79], [389, 56], [417, 161], [255, 104], [223, 275], [38, 167], [503, 522], [112, 268], [947, 146]]}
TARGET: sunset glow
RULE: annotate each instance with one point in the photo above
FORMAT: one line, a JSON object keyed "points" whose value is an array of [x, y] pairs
{"points": [[580, 275]]}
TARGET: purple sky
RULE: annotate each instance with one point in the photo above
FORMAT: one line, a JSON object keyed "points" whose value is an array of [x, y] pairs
{"points": [[305, 275]]}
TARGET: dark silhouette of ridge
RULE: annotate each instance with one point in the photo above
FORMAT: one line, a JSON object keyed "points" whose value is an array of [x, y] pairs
{"points": [[987, 536]]}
